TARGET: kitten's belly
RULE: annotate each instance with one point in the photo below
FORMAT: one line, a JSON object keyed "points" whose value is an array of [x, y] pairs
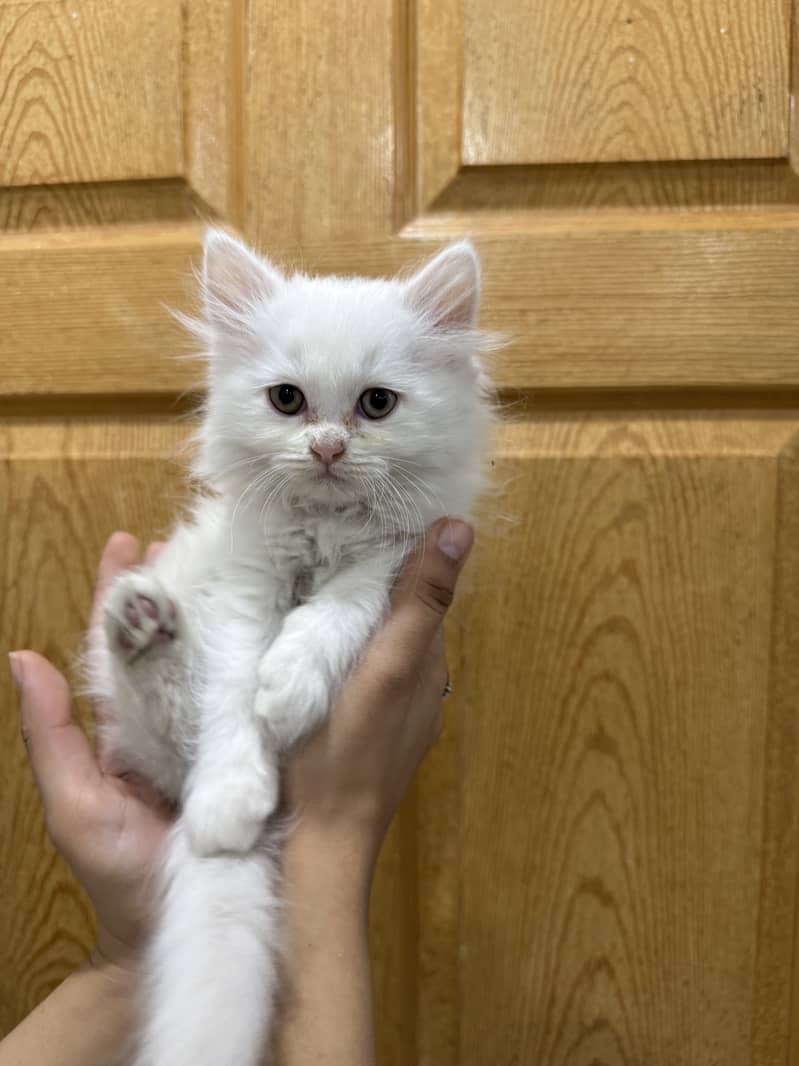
{"points": [[163, 762], [228, 602]]}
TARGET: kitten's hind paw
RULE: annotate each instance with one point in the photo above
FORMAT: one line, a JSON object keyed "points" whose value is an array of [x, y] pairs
{"points": [[228, 814], [139, 616]]}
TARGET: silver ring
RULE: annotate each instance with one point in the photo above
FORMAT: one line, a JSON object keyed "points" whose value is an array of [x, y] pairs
{"points": [[447, 689]]}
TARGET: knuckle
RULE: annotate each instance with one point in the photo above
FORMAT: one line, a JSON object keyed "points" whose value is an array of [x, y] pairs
{"points": [[435, 595]]}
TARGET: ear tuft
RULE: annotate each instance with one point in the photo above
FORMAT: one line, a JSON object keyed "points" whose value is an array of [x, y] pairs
{"points": [[447, 289], [234, 278]]}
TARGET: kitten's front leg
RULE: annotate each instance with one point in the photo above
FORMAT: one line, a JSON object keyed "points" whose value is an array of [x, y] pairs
{"points": [[318, 646]]}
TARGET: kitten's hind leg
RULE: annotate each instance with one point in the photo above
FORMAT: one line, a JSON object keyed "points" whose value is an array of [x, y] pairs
{"points": [[140, 618], [148, 651]]}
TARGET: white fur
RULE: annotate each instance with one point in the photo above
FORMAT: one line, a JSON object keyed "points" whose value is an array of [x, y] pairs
{"points": [[235, 642]]}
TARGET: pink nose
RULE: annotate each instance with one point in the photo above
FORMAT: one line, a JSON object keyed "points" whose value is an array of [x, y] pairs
{"points": [[327, 452]]}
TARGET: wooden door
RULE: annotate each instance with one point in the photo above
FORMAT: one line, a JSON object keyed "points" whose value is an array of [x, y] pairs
{"points": [[598, 864]]}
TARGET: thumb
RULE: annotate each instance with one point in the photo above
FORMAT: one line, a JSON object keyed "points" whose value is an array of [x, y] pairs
{"points": [[426, 586], [58, 750]]}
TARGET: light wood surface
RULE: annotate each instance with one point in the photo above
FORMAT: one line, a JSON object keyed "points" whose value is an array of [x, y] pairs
{"points": [[597, 865], [87, 206], [610, 883], [675, 305], [91, 91], [63, 487], [546, 83], [319, 132], [629, 739], [213, 57]]}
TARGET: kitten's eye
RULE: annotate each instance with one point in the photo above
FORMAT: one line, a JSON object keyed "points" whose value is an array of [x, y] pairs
{"points": [[287, 399], [377, 403]]}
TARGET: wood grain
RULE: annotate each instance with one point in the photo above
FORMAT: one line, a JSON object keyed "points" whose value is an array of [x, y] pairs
{"points": [[89, 313], [598, 864], [64, 487], [319, 132], [394, 940], [627, 776], [599, 747], [430, 77], [778, 910], [677, 305], [90, 91], [213, 72], [36, 208], [483, 196], [624, 81], [793, 119]]}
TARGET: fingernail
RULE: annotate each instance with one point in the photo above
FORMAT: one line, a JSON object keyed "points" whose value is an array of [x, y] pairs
{"points": [[455, 539], [15, 663]]}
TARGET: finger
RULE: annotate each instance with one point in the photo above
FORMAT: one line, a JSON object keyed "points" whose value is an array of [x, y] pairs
{"points": [[59, 753], [426, 585], [120, 553], [153, 551], [438, 648]]}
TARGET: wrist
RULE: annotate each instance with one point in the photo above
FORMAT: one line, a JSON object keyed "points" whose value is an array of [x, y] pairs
{"points": [[106, 984], [114, 959], [326, 858]]}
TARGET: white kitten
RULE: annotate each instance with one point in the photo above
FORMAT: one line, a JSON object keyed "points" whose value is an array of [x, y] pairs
{"points": [[343, 416]]}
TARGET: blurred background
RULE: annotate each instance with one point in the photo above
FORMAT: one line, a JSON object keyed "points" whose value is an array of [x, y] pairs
{"points": [[598, 866]]}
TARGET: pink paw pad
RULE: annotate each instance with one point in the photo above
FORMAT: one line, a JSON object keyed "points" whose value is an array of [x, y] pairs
{"points": [[145, 622]]}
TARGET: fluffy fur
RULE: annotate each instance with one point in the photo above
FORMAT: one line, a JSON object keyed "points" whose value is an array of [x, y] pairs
{"points": [[234, 643]]}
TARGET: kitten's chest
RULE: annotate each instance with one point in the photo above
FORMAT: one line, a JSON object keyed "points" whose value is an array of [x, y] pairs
{"points": [[276, 571], [306, 556], [304, 565]]}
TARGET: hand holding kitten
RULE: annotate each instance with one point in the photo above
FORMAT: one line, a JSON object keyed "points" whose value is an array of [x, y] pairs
{"points": [[346, 782]]}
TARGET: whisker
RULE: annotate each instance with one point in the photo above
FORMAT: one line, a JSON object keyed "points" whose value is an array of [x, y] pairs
{"points": [[273, 494], [260, 479]]}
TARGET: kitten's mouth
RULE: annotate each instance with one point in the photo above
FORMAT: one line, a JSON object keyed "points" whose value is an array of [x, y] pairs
{"points": [[329, 476], [329, 482]]}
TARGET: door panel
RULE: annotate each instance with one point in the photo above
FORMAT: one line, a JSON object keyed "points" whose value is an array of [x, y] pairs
{"points": [[90, 91], [600, 82], [629, 768], [601, 841], [64, 484]]}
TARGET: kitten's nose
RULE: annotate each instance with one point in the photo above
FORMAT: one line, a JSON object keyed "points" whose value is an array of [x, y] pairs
{"points": [[327, 451]]}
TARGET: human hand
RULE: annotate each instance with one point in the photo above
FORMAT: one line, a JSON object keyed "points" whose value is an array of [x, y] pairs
{"points": [[110, 829], [346, 782]]}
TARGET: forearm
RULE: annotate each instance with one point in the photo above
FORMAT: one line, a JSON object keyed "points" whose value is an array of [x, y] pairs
{"points": [[326, 1001], [86, 1021]]}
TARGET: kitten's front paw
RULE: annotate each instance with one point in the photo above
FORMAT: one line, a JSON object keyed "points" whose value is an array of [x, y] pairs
{"points": [[139, 616], [228, 813], [292, 698]]}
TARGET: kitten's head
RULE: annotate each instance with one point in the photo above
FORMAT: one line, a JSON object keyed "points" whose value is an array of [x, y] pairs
{"points": [[330, 392]]}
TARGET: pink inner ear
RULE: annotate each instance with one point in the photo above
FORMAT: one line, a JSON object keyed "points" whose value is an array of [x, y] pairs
{"points": [[235, 277], [447, 290]]}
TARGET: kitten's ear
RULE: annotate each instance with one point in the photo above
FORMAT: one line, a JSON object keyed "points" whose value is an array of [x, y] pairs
{"points": [[447, 289], [234, 278]]}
